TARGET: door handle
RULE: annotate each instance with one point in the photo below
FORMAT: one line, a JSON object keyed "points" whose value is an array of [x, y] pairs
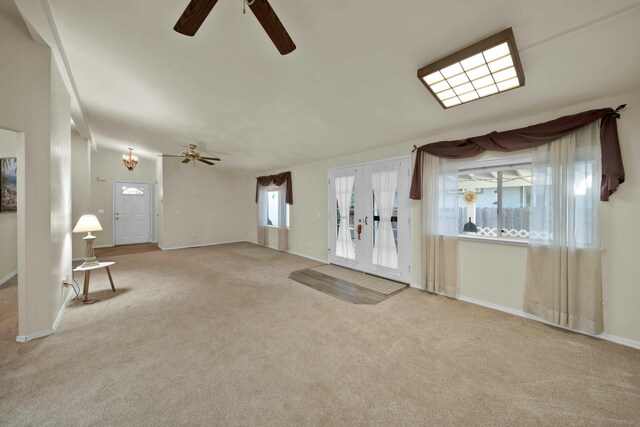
{"points": [[117, 216], [366, 218]]}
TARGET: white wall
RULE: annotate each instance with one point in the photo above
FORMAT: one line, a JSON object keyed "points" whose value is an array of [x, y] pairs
{"points": [[202, 205], [60, 188], [489, 272], [8, 220], [34, 103], [80, 187], [620, 236], [493, 273], [107, 168]]}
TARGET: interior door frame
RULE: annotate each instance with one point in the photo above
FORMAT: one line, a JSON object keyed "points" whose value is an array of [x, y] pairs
{"points": [[151, 210], [408, 248]]}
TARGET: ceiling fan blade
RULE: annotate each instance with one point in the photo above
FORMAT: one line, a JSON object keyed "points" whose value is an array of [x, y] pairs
{"points": [[168, 155], [272, 25], [211, 158], [186, 160], [193, 16], [205, 161]]}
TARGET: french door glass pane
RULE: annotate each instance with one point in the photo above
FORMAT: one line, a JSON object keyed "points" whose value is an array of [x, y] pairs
{"points": [[345, 236]]}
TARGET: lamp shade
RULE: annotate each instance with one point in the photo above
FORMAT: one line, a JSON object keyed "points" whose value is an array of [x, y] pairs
{"points": [[87, 224]]}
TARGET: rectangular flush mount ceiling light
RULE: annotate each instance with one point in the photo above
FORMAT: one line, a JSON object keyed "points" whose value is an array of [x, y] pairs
{"points": [[485, 68]]}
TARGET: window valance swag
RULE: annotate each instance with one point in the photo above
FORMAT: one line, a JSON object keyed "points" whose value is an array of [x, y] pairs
{"points": [[278, 180], [533, 136]]}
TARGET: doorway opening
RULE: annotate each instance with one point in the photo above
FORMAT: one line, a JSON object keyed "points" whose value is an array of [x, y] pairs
{"points": [[9, 190], [370, 218]]}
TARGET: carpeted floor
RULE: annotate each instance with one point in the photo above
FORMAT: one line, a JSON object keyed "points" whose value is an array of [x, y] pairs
{"points": [[220, 336]]}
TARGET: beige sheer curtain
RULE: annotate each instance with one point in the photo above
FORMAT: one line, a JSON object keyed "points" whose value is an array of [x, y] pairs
{"points": [[283, 231], [385, 188], [440, 225], [563, 283], [263, 210]]}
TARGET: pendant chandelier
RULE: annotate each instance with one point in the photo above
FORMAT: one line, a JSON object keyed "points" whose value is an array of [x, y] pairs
{"points": [[129, 160]]}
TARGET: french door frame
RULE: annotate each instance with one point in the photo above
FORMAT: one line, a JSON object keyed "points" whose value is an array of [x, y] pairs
{"points": [[363, 199]]}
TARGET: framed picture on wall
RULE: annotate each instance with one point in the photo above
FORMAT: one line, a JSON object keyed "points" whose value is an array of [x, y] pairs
{"points": [[8, 187]]}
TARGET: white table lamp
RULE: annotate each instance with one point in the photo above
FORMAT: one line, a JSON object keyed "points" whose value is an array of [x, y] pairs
{"points": [[87, 224]]}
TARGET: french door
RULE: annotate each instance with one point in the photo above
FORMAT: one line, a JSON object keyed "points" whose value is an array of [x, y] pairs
{"points": [[369, 218], [132, 212]]}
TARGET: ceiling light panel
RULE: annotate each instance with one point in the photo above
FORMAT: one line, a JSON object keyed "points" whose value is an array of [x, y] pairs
{"points": [[458, 80], [440, 86], [451, 102], [483, 69]]}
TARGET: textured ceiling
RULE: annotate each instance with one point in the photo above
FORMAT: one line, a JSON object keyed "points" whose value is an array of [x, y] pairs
{"points": [[350, 85]]}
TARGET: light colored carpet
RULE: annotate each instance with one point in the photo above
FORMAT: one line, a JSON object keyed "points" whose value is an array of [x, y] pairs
{"points": [[220, 336], [374, 283]]}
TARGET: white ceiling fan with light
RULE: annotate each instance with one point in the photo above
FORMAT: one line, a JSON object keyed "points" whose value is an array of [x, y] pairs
{"points": [[191, 155]]}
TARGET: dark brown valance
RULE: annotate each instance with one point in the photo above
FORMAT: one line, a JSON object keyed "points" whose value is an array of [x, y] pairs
{"points": [[533, 136], [278, 180]]}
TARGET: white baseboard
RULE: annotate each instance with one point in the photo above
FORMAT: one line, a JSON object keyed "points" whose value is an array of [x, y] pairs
{"points": [[173, 248], [324, 261], [520, 313], [8, 277], [103, 246], [620, 340], [498, 307], [27, 338], [67, 300], [56, 323]]}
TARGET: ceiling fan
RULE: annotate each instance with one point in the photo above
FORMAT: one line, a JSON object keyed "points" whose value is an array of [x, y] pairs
{"points": [[192, 155], [198, 10]]}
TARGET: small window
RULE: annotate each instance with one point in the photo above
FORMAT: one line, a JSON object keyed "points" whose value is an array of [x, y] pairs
{"points": [[133, 191], [495, 198], [273, 214]]}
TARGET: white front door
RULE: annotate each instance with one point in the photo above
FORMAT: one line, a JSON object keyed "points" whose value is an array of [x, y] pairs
{"points": [[378, 237], [132, 213]]}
